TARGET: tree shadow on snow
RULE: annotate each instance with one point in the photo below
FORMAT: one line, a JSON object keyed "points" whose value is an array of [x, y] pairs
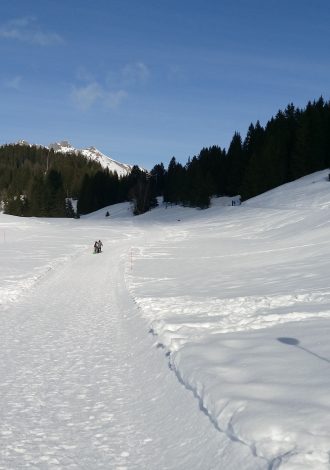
{"points": [[296, 343]]}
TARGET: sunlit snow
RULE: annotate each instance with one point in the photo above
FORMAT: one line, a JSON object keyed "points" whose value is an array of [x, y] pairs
{"points": [[196, 340]]}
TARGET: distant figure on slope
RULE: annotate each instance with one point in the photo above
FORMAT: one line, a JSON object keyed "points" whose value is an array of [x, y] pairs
{"points": [[100, 244], [96, 247]]}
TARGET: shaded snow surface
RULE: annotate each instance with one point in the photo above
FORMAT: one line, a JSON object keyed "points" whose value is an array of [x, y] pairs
{"points": [[238, 301]]}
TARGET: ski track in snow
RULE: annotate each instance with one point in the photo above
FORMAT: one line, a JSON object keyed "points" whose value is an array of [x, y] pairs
{"points": [[83, 386], [237, 298]]}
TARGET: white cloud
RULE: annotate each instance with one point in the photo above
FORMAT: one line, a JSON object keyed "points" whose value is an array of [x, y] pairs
{"points": [[85, 97], [21, 22], [135, 73], [46, 39], [27, 30], [114, 99], [113, 92]]}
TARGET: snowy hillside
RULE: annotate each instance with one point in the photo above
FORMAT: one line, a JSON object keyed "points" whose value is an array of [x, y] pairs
{"points": [[238, 302], [240, 298]]}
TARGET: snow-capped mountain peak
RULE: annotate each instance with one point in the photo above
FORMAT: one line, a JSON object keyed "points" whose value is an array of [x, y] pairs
{"points": [[63, 146], [106, 162], [93, 153], [23, 142]]}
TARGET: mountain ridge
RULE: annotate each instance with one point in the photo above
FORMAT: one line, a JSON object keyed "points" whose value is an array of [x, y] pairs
{"points": [[91, 153]]}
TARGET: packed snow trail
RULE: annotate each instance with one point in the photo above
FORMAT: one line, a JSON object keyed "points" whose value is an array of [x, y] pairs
{"points": [[83, 387]]}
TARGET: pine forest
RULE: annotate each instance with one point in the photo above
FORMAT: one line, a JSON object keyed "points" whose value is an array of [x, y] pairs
{"points": [[36, 181]]}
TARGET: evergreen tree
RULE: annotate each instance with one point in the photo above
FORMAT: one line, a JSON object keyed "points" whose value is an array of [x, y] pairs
{"points": [[84, 205], [197, 188], [234, 166], [141, 192], [37, 197], [54, 194], [174, 185], [17, 205], [159, 174], [69, 211]]}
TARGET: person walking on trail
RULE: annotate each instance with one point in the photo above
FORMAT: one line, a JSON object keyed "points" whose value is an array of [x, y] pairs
{"points": [[100, 246]]}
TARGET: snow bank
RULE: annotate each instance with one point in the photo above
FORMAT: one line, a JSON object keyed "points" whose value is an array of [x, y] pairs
{"points": [[239, 298], [258, 388]]}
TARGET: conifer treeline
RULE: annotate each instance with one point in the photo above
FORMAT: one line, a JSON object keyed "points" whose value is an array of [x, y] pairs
{"points": [[105, 188], [294, 143], [35, 181]]}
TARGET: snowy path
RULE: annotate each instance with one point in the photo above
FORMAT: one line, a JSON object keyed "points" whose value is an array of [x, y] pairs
{"points": [[239, 297], [83, 387]]}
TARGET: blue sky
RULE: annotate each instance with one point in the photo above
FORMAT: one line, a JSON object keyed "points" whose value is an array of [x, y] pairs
{"points": [[145, 80]]}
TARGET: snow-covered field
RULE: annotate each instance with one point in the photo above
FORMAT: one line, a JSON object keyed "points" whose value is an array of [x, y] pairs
{"points": [[238, 303]]}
